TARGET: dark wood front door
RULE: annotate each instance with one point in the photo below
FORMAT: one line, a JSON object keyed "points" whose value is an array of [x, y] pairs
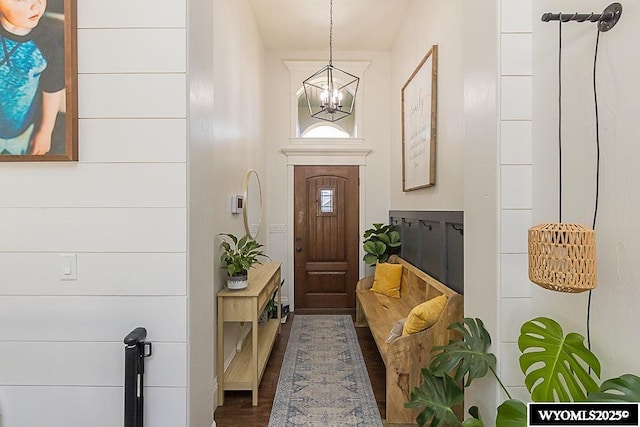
{"points": [[326, 236]]}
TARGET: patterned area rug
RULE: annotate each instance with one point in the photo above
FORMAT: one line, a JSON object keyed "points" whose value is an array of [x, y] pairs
{"points": [[323, 380]]}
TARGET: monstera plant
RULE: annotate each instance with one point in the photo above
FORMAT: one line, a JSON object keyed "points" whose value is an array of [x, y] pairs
{"points": [[625, 388], [562, 373], [556, 367]]}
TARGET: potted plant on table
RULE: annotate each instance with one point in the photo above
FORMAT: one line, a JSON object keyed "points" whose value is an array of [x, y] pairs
{"points": [[238, 255], [380, 242]]}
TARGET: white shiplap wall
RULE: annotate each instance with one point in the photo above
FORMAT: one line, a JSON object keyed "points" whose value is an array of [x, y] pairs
{"points": [[122, 209], [515, 184]]}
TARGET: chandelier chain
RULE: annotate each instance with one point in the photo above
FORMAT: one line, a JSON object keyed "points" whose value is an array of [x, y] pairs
{"points": [[330, 92], [330, 32]]}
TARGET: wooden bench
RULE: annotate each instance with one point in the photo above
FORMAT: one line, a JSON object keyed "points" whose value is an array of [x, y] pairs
{"points": [[404, 357]]}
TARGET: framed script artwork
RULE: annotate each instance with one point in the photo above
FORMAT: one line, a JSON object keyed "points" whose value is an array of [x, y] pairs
{"points": [[419, 101], [38, 81]]}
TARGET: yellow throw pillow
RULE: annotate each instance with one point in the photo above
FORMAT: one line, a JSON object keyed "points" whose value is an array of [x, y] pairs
{"points": [[386, 280], [424, 315]]}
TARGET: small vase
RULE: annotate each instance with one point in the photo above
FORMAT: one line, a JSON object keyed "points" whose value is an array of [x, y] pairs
{"points": [[235, 283]]}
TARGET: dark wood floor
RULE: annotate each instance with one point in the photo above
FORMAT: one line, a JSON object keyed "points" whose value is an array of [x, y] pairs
{"points": [[237, 409]]}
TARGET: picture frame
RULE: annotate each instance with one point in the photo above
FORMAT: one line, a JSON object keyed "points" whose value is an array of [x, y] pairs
{"points": [[419, 124], [39, 111]]}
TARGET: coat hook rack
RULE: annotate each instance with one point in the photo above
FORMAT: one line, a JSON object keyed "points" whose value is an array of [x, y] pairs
{"points": [[606, 20], [458, 229], [427, 226]]}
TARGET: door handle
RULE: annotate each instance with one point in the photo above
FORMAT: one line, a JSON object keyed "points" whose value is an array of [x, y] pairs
{"points": [[298, 249]]}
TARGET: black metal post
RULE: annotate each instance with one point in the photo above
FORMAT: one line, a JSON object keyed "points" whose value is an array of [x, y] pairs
{"points": [[134, 353]]}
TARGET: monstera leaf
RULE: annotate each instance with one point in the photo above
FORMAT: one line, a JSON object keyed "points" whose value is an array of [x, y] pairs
{"points": [[475, 420], [554, 364], [437, 395], [622, 389], [468, 356], [512, 413]]}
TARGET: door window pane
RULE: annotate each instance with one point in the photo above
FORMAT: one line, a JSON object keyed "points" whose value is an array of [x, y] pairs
{"points": [[326, 201]]}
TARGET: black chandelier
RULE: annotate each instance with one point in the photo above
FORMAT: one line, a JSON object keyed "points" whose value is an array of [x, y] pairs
{"points": [[331, 92]]}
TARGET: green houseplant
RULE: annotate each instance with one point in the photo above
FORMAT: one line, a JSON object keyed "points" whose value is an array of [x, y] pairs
{"points": [[556, 367], [380, 242], [238, 255]]}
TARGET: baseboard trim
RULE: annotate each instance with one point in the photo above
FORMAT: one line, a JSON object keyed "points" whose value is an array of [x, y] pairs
{"points": [[215, 399]]}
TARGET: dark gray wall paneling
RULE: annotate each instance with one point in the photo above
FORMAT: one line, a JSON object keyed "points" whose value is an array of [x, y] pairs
{"points": [[433, 241]]}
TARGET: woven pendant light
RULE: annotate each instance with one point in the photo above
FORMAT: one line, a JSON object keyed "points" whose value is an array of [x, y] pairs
{"points": [[562, 257]]}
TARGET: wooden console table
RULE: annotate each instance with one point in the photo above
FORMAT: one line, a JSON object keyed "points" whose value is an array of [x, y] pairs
{"points": [[247, 367]]}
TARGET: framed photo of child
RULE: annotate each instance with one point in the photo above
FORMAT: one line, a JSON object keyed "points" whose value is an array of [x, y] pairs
{"points": [[38, 80]]}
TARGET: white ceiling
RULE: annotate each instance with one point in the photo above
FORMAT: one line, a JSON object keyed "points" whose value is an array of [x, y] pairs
{"points": [[304, 24]]}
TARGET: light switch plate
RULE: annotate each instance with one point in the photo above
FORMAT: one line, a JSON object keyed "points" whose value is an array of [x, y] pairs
{"points": [[277, 228], [68, 266]]}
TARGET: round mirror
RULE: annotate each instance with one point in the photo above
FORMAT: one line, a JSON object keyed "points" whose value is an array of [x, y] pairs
{"points": [[252, 211]]}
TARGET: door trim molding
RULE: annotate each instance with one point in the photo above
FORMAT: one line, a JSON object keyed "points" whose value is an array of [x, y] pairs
{"points": [[321, 156], [325, 155]]}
